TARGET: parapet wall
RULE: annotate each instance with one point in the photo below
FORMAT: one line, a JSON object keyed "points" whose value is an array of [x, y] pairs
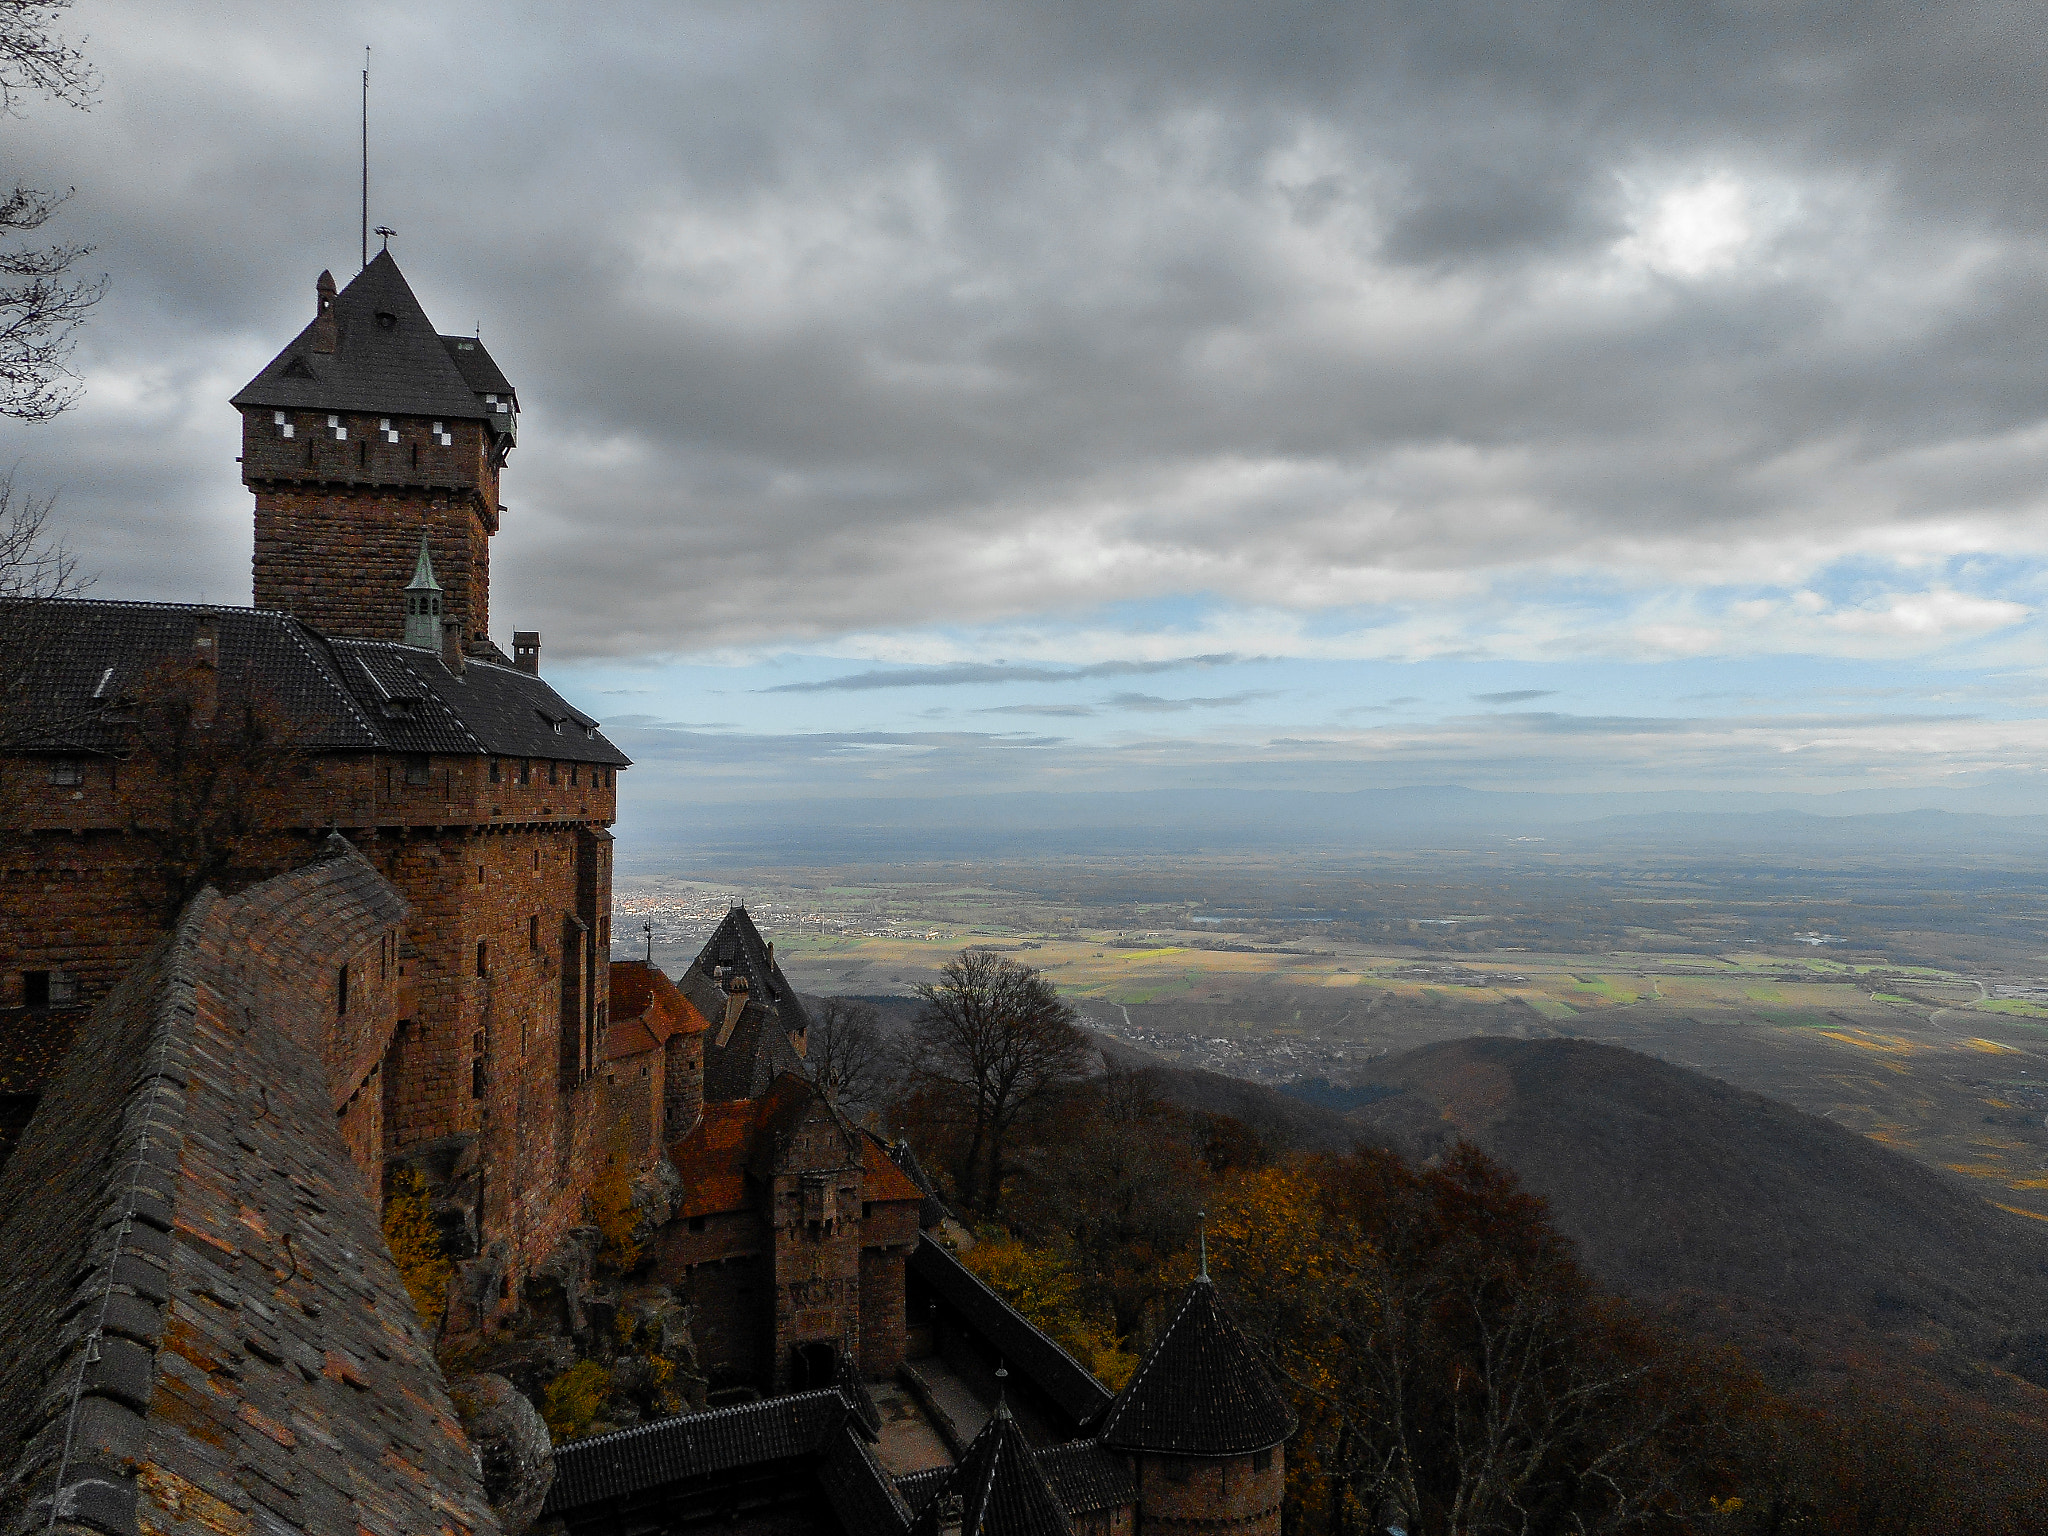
{"points": [[200, 1326]]}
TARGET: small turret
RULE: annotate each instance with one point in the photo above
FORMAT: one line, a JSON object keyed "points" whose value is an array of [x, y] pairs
{"points": [[1204, 1425], [423, 603]]}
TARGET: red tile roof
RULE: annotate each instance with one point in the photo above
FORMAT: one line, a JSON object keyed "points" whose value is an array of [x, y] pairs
{"points": [[713, 1160], [883, 1179], [642, 994]]}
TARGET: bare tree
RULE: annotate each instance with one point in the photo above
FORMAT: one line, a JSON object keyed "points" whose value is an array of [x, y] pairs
{"points": [[848, 1055], [42, 304], [998, 1037], [35, 567], [210, 772]]}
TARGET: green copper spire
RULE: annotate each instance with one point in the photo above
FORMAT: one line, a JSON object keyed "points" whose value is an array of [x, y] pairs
{"points": [[423, 603]]}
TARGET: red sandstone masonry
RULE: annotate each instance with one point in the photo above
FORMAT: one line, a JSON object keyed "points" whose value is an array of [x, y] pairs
{"points": [[338, 522]]}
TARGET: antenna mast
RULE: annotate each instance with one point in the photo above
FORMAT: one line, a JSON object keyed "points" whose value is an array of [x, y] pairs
{"points": [[366, 154]]}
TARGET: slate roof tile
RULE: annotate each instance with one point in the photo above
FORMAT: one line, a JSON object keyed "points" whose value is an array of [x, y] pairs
{"points": [[84, 658], [740, 1064], [629, 1461], [405, 367], [1202, 1391], [1002, 1487]]}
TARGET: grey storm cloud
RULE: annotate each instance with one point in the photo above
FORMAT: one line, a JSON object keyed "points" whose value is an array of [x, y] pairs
{"points": [[833, 317], [984, 672], [1514, 696]]}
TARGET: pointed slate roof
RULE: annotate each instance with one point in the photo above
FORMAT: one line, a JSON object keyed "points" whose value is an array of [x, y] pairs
{"points": [[1201, 1392], [1003, 1491], [741, 1063], [387, 358]]}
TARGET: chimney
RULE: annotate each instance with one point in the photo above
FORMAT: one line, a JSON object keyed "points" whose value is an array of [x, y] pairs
{"points": [[323, 313], [526, 650], [451, 645], [205, 667]]}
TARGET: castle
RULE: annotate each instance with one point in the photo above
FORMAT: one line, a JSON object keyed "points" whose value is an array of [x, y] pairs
{"points": [[212, 1094]]}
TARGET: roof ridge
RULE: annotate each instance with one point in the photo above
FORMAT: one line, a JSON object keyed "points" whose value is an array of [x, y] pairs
{"points": [[702, 1415]]}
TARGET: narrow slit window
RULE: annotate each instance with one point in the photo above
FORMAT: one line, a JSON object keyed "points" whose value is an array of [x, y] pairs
{"points": [[483, 957]]}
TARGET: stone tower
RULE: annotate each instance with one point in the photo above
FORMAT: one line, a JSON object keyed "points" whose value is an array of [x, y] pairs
{"points": [[368, 432], [1204, 1426]]}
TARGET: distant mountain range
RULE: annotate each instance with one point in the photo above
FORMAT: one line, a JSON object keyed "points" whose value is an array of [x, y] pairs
{"points": [[1885, 823]]}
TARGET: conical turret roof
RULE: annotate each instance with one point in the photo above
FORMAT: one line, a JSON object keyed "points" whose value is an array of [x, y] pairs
{"points": [[1201, 1392], [1002, 1489]]}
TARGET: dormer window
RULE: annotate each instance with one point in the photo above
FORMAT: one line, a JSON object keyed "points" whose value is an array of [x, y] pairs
{"points": [[283, 423], [442, 436], [340, 432], [498, 406], [386, 321], [390, 432]]}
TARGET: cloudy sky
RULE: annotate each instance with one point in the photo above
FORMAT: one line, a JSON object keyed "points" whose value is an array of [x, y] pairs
{"points": [[921, 398]]}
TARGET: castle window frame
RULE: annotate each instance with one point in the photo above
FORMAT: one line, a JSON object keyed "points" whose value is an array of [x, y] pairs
{"points": [[419, 768], [443, 436], [573, 770], [67, 771], [1177, 1470], [390, 432], [341, 992], [1262, 1461], [554, 772], [496, 776], [283, 424], [483, 957], [340, 432], [525, 771], [533, 933]]}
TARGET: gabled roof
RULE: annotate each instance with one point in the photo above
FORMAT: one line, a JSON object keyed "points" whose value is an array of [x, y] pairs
{"points": [[790, 1101], [387, 358], [83, 659], [1002, 1489], [1202, 1391], [713, 1160], [1024, 1350], [884, 1181]]}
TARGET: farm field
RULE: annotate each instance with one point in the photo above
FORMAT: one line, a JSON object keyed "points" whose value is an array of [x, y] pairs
{"points": [[1945, 1061]]}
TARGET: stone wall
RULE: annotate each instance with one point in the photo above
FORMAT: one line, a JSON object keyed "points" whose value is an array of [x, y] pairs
{"points": [[1211, 1496], [338, 520]]}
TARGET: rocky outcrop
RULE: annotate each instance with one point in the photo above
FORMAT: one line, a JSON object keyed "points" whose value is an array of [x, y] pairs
{"points": [[514, 1454]]}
